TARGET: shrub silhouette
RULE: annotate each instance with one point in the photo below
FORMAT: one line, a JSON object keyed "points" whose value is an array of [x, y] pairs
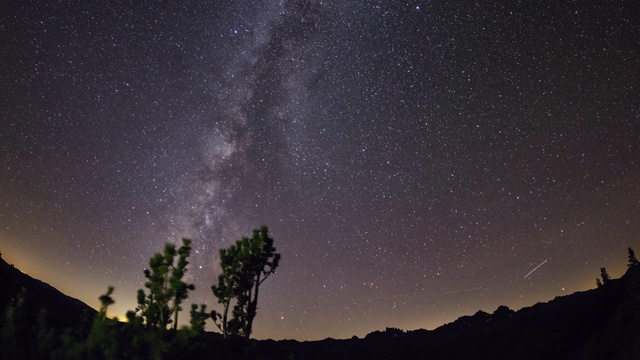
{"points": [[605, 277], [632, 258]]}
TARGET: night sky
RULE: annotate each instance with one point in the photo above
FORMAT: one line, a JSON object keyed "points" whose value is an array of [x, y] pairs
{"points": [[414, 160]]}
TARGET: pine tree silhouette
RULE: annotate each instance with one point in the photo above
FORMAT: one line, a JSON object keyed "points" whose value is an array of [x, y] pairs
{"points": [[632, 258], [245, 266]]}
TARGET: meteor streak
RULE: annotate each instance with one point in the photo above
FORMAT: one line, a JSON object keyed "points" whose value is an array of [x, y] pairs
{"points": [[535, 268]]}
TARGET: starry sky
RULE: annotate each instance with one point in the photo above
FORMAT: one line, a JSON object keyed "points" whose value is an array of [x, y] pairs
{"points": [[415, 160]]}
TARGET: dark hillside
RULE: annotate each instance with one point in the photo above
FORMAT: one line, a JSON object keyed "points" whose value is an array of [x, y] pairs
{"points": [[62, 311], [603, 323]]}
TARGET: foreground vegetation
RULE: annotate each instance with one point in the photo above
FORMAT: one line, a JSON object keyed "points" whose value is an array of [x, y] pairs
{"points": [[151, 330], [594, 324]]}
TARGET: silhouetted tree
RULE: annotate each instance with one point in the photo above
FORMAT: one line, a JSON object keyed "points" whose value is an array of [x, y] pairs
{"points": [[25, 333], [632, 258], [199, 317], [228, 284], [605, 277], [167, 291], [102, 342], [245, 266]]}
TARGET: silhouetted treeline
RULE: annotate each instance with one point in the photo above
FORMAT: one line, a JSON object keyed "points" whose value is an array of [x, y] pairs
{"points": [[603, 323], [42, 323]]}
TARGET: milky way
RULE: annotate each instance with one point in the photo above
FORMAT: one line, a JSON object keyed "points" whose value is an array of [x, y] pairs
{"points": [[414, 161]]}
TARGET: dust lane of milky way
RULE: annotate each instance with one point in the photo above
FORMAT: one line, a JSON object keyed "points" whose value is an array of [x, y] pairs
{"points": [[414, 160]]}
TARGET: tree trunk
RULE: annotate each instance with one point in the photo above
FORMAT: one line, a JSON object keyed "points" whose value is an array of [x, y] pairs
{"points": [[224, 320], [253, 307], [175, 318]]}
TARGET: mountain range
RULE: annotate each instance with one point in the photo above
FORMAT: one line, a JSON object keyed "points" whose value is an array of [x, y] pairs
{"points": [[602, 323]]}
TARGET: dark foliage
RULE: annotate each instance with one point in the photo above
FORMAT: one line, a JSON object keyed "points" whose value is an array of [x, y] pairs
{"points": [[605, 277], [603, 323], [632, 258], [166, 290], [245, 266]]}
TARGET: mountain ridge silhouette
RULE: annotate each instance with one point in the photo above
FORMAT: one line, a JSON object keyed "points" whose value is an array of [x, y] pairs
{"points": [[601, 323], [62, 310]]}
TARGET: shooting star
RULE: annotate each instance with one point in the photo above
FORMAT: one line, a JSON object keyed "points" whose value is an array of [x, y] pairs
{"points": [[535, 268]]}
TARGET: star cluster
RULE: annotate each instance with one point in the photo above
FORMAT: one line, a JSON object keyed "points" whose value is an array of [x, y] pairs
{"points": [[414, 160]]}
